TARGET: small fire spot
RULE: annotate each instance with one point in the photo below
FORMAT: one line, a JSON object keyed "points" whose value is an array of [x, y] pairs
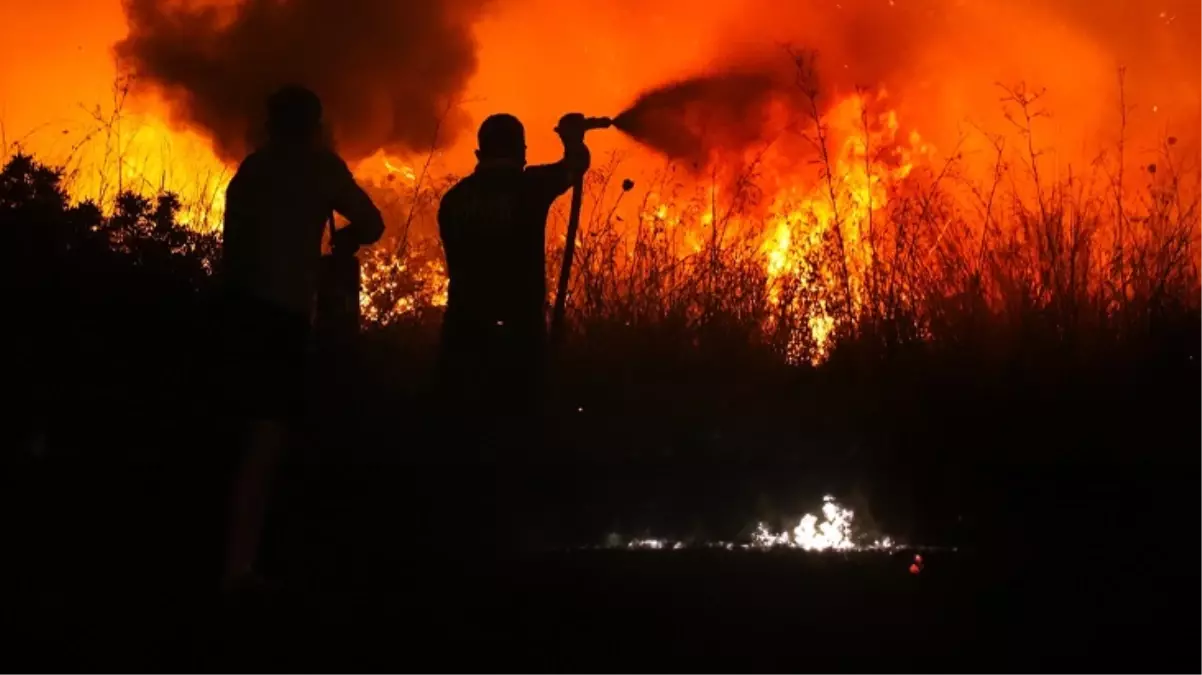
{"points": [[914, 568]]}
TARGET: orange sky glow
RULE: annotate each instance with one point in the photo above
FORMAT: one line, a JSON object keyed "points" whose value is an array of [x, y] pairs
{"points": [[541, 58]]}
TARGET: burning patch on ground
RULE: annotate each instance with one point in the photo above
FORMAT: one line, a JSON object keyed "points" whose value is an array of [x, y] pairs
{"points": [[834, 530]]}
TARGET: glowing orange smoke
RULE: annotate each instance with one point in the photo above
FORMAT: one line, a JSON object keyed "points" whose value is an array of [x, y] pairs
{"points": [[538, 59], [939, 61]]}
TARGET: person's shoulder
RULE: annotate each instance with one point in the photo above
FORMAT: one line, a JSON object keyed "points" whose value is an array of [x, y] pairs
{"points": [[252, 161], [328, 160], [248, 174], [461, 188], [459, 196], [328, 168]]}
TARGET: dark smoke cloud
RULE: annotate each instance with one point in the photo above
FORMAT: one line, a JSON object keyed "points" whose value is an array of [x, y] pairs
{"points": [[693, 119], [388, 71]]}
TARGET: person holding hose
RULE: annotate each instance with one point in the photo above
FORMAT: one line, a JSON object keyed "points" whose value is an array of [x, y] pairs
{"points": [[493, 227]]}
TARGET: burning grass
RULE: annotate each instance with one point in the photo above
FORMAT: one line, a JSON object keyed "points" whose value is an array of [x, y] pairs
{"points": [[834, 531], [885, 242], [843, 226], [910, 275]]}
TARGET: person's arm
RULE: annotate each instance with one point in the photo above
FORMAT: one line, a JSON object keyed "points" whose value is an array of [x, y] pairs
{"points": [[233, 228], [352, 201], [447, 228], [552, 180]]}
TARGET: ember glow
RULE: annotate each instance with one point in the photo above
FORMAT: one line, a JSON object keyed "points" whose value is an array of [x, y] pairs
{"points": [[834, 531], [812, 198], [396, 286]]}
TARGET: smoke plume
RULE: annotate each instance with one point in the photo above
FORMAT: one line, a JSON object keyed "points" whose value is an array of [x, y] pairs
{"points": [[692, 119], [939, 64], [388, 72]]}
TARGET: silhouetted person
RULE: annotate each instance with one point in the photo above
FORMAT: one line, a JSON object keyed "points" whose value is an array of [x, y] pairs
{"points": [[276, 208], [492, 225]]}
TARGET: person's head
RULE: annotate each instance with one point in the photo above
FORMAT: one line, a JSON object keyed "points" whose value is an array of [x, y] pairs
{"points": [[501, 139], [294, 115]]}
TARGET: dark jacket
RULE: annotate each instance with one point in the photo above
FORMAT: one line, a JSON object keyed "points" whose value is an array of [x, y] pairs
{"points": [[493, 225], [276, 208]]}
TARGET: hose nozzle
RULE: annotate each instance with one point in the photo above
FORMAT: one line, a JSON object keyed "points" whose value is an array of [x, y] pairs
{"points": [[598, 122], [575, 123]]}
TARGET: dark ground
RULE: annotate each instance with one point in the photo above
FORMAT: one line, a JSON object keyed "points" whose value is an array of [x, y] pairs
{"points": [[381, 567], [1076, 531]]}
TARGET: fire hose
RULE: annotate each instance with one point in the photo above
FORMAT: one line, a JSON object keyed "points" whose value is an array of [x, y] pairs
{"points": [[569, 249]]}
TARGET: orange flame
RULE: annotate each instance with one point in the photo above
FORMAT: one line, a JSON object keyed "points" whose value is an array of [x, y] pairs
{"points": [[62, 105]]}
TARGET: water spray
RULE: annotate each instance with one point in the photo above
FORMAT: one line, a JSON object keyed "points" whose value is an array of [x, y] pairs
{"points": [[658, 119]]}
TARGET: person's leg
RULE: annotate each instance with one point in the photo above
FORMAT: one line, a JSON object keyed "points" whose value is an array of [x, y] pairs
{"points": [[263, 444], [518, 429], [270, 384]]}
